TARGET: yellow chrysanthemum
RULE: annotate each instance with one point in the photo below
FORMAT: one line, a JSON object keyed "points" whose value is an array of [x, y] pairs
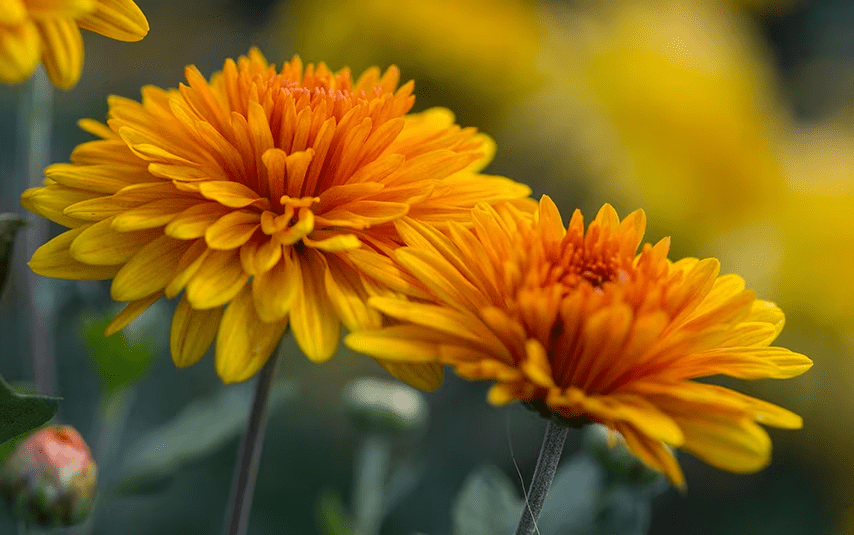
{"points": [[583, 330], [48, 31], [252, 190]]}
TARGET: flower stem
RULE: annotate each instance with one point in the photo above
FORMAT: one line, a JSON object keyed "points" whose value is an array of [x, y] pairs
{"points": [[543, 474], [371, 473], [36, 115], [248, 461]]}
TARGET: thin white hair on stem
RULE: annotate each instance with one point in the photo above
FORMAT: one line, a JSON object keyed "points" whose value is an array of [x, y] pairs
{"points": [[518, 472]]}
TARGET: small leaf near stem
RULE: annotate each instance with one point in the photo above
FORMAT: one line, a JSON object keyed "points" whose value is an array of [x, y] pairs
{"points": [[544, 472]]}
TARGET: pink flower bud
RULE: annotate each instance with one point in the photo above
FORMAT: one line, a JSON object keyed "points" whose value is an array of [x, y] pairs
{"points": [[50, 477]]}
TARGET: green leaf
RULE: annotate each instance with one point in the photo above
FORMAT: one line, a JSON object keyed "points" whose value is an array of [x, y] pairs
{"points": [[10, 224], [332, 514], [121, 358], [201, 428], [572, 503], [487, 504], [20, 413]]}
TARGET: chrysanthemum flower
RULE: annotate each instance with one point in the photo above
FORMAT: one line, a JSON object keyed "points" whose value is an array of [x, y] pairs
{"points": [[48, 31], [582, 329], [251, 191]]}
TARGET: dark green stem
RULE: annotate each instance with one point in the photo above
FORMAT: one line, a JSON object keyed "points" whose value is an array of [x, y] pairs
{"points": [[248, 461], [36, 114], [544, 473]]}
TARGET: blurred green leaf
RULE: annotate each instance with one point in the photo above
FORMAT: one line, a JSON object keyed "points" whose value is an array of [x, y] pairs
{"points": [[10, 224], [487, 504], [121, 359], [202, 427], [332, 515], [20, 413], [624, 510], [573, 499]]}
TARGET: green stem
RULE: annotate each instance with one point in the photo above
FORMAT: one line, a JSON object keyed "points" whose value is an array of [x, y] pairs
{"points": [[36, 114], [369, 489], [246, 469], [544, 473]]}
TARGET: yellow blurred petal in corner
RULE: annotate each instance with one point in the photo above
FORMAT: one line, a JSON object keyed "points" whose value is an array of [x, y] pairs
{"points": [[255, 217], [50, 32], [590, 330]]}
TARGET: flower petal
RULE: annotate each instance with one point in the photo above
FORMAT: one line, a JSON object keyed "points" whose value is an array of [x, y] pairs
{"points": [[316, 326], [192, 332], [53, 259], [62, 54], [244, 342], [150, 269], [117, 19]]}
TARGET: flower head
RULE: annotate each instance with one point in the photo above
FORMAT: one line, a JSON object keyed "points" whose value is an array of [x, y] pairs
{"points": [[582, 329], [51, 477], [48, 31], [253, 190]]}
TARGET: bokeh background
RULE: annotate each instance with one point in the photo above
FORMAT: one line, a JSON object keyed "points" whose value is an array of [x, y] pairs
{"points": [[730, 122]]}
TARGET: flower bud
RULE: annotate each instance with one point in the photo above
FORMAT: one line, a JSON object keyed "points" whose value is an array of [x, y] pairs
{"points": [[50, 477], [381, 406]]}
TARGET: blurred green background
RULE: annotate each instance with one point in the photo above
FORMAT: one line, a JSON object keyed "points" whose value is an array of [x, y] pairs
{"points": [[730, 122]]}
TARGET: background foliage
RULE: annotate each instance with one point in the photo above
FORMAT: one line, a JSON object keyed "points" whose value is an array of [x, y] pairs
{"points": [[729, 121]]}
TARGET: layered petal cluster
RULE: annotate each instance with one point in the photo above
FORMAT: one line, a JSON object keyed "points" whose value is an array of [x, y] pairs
{"points": [[580, 327], [248, 193], [48, 32]]}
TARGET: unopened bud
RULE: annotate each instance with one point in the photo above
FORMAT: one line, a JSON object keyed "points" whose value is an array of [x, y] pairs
{"points": [[381, 406], [50, 477]]}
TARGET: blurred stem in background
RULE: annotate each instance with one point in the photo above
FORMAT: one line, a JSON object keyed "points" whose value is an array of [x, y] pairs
{"points": [[34, 141], [544, 473], [372, 466], [249, 457]]}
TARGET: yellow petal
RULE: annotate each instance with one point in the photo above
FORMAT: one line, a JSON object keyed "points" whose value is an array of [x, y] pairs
{"points": [[152, 214], [244, 342], [232, 230], [192, 332], [194, 221], [231, 194], [53, 259], [314, 322], [653, 453], [62, 54], [117, 19], [397, 343], [275, 290], [217, 280], [427, 377], [349, 296], [99, 244], [130, 313], [150, 270], [20, 50], [52, 200]]}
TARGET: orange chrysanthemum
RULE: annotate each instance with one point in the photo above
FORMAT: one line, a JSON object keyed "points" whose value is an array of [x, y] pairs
{"points": [[252, 190], [582, 329], [48, 31]]}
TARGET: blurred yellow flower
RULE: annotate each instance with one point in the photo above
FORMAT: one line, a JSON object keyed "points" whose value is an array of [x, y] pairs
{"points": [[582, 329], [482, 55], [251, 190], [48, 31], [671, 105]]}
